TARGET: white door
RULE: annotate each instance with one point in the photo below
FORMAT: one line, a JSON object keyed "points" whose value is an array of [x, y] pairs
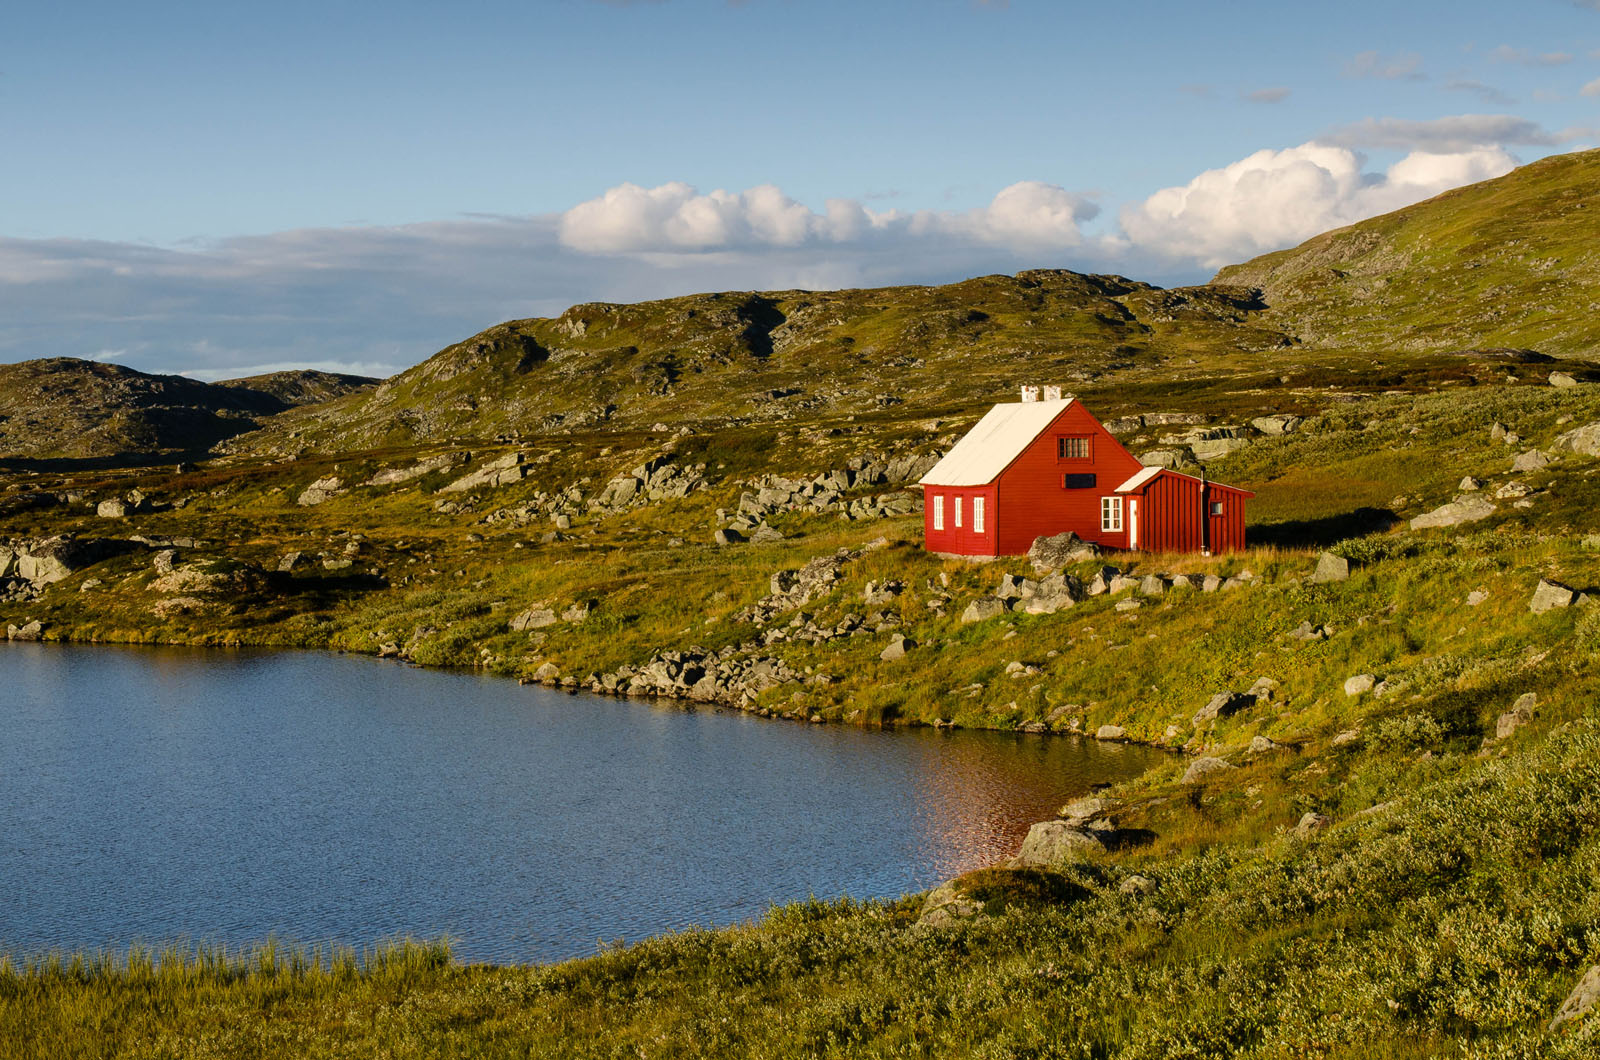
{"points": [[1133, 522]]}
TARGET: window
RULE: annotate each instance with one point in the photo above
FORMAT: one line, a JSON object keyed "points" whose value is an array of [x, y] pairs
{"points": [[1072, 448], [1216, 507], [938, 511], [1077, 482], [977, 515], [1110, 515], [958, 513]]}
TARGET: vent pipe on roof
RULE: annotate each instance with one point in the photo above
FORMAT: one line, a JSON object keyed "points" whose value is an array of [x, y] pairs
{"points": [[1030, 393]]}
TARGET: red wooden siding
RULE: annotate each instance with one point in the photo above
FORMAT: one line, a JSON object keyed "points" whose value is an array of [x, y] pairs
{"points": [[1175, 515], [963, 540]]}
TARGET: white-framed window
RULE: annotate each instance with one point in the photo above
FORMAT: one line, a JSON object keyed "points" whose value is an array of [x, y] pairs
{"points": [[1216, 508], [1110, 515], [977, 515], [938, 511], [1072, 448], [958, 513]]}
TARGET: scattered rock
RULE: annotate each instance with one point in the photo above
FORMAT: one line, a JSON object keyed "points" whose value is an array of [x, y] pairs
{"points": [[1276, 425], [1201, 768], [1345, 738], [1581, 1000], [982, 609], [946, 905], [1476, 597], [1468, 509], [112, 509], [547, 674], [1532, 460], [1260, 745], [536, 617], [1052, 553], [1470, 484], [765, 534], [898, 646], [1562, 380], [1548, 595], [1520, 714], [1306, 631], [1312, 823], [1222, 705], [727, 536], [1359, 684], [1053, 843], [324, 489], [1111, 733], [1331, 568], [1583, 440], [27, 631], [1126, 605], [1137, 885], [502, 471]]}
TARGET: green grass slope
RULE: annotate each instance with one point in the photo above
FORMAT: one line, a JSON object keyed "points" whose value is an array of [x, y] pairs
{"points": [[1509, 262]]}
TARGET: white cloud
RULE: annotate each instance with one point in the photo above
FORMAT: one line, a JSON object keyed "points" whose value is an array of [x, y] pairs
{"points": [[1522, 56], [1267, 95], [1402, 67], [1274, 199], [1591, 89], [1487, 93], [1459, 132]]}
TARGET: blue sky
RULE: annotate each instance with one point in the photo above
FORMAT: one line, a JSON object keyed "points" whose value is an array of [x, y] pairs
{"points": [[216, 188]]}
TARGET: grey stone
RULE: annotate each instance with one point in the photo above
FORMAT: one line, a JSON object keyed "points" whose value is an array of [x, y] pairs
{"points": [[1359, 684], [1532, 460], [946, 905], [1581, 1000], [1312, 823], [1520, 714], [1152, 585], [1563, 380], [898, 646], [27, 631], [727, 536], [112, 509], [1470, 484], [1584, 440], [1548, 595], [1345, 738], [1466, 509], [1053, 593], [1260, 745], [982, 609], [1088, 808], [324, 489], [1201, 768], [1222, 705], [1331, 568], [1137, 885], [1054, 843], [547, 674], [1175, 458], [1052, 553], [1275, 425], [765, 534], [535, 618], [1476, 597], [1111, 733]]}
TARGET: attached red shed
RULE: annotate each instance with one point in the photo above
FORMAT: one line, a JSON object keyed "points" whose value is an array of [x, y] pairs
{"points": [[1034, 468]]}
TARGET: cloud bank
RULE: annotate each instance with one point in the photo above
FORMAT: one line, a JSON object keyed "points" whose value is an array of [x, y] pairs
{"points": [[377, 299]]}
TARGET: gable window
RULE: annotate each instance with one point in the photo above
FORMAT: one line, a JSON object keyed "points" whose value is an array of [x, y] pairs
{"points": [[938, 511], [1111, 515], [958, 513], [1072, 448], [977, 515], [1077, 482]]}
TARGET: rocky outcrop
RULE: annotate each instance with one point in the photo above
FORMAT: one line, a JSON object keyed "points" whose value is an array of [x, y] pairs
{"points": [[501, 471], [29, 566], [1201, 768], [1467, 509], [1581, 1000], [1054, 843], [321, 491], [733, 676], [1549, 595], [1583, 440], [790, 589], [394, 476]]}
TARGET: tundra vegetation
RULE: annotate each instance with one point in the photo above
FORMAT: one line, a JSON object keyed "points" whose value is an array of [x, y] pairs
{"points": [[1379, 830]]}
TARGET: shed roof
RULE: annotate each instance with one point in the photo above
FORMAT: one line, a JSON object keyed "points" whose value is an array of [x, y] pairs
{"points": [[1143, 478], [994, 442]]}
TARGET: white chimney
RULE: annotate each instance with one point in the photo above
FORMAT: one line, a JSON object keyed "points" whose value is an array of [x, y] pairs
{"points": [[1030, 393], [1052, 393]]}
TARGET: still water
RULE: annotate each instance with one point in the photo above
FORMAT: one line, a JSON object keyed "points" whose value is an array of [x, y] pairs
{"points": [[176, 795]]}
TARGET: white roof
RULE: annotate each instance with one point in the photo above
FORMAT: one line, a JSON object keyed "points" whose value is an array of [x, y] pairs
{"points": [[994, 441], [1140, 479]]}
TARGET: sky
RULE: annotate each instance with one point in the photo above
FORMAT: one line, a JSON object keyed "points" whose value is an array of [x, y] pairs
{"points": [[220, 189]]}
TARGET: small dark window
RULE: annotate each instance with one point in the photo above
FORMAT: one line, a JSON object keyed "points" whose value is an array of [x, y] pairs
{"points": [[1077, 482], [1216, 507], [1072, 448]]}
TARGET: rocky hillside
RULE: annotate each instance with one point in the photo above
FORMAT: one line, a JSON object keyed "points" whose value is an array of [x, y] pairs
{"points": [[64, 407], [1510, 262], [745, 357]]}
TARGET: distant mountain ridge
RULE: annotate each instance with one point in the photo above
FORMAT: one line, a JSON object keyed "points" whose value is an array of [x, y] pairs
{"points": [[65, 407]]}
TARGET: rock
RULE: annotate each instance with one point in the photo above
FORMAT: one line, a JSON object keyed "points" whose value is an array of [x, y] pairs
{"points": [[1054, 843], [1169, 458], [1312, 823], [898, 646], [1359, 684], [1222, 705], [163, 561], [1548, 595], [1562, 380], [982, 609], [547, 674], [1584, 440], [1152, 585], [1137, 885], [502, 471], [395, 476], [1261, 745], [727, 536], [1111, 733], [765, 534], [1088, 808], [1470, 484], [1210, 583], [536, 617], [946, 905], [324, 489], [1468, 509], [1126, 605], [1101, 582], [578, 612], [1052, 553], [1520, 714], [1476, 597], [1330, 568], [1201, 768], [1345, 738], [1265, 689], [1532, 460], [112, 509], [1581, 1000], [1306, 631], [1013, 587], [290, 560], [1052, 594], [27, 631], [1276, 425]]}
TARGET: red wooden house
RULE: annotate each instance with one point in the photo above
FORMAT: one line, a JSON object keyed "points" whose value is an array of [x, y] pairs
{"points": [[1038, 468]]}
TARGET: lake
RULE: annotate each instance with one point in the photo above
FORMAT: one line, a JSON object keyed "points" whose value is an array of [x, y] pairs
{"points": [[161, 795]]}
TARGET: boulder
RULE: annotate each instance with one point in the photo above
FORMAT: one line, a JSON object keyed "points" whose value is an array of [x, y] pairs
{"points": [[1276, 425], [765, 534], [1359, 684], [535, 618], [1201, 768], [1222, 705], [982, 609], [1330, 568], [1581, 1000], [1548, 595], [727, 536], [1088, 808], [1520, 714], [27, 631], [1111, 733], [1468, 509], [112, 509], [1174, 459], [946, 905], [1346, 738], [1054, 843], [324, 489], [1053, 593], [1470, 484], [502, 471], [1152, 585], [547, 674], [1584, 440], [1532, 460], [1052, 553], [1260, 745], [1137, 885], [1476, 597], [1562, 380], [1312, 823], [898, 646]]}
